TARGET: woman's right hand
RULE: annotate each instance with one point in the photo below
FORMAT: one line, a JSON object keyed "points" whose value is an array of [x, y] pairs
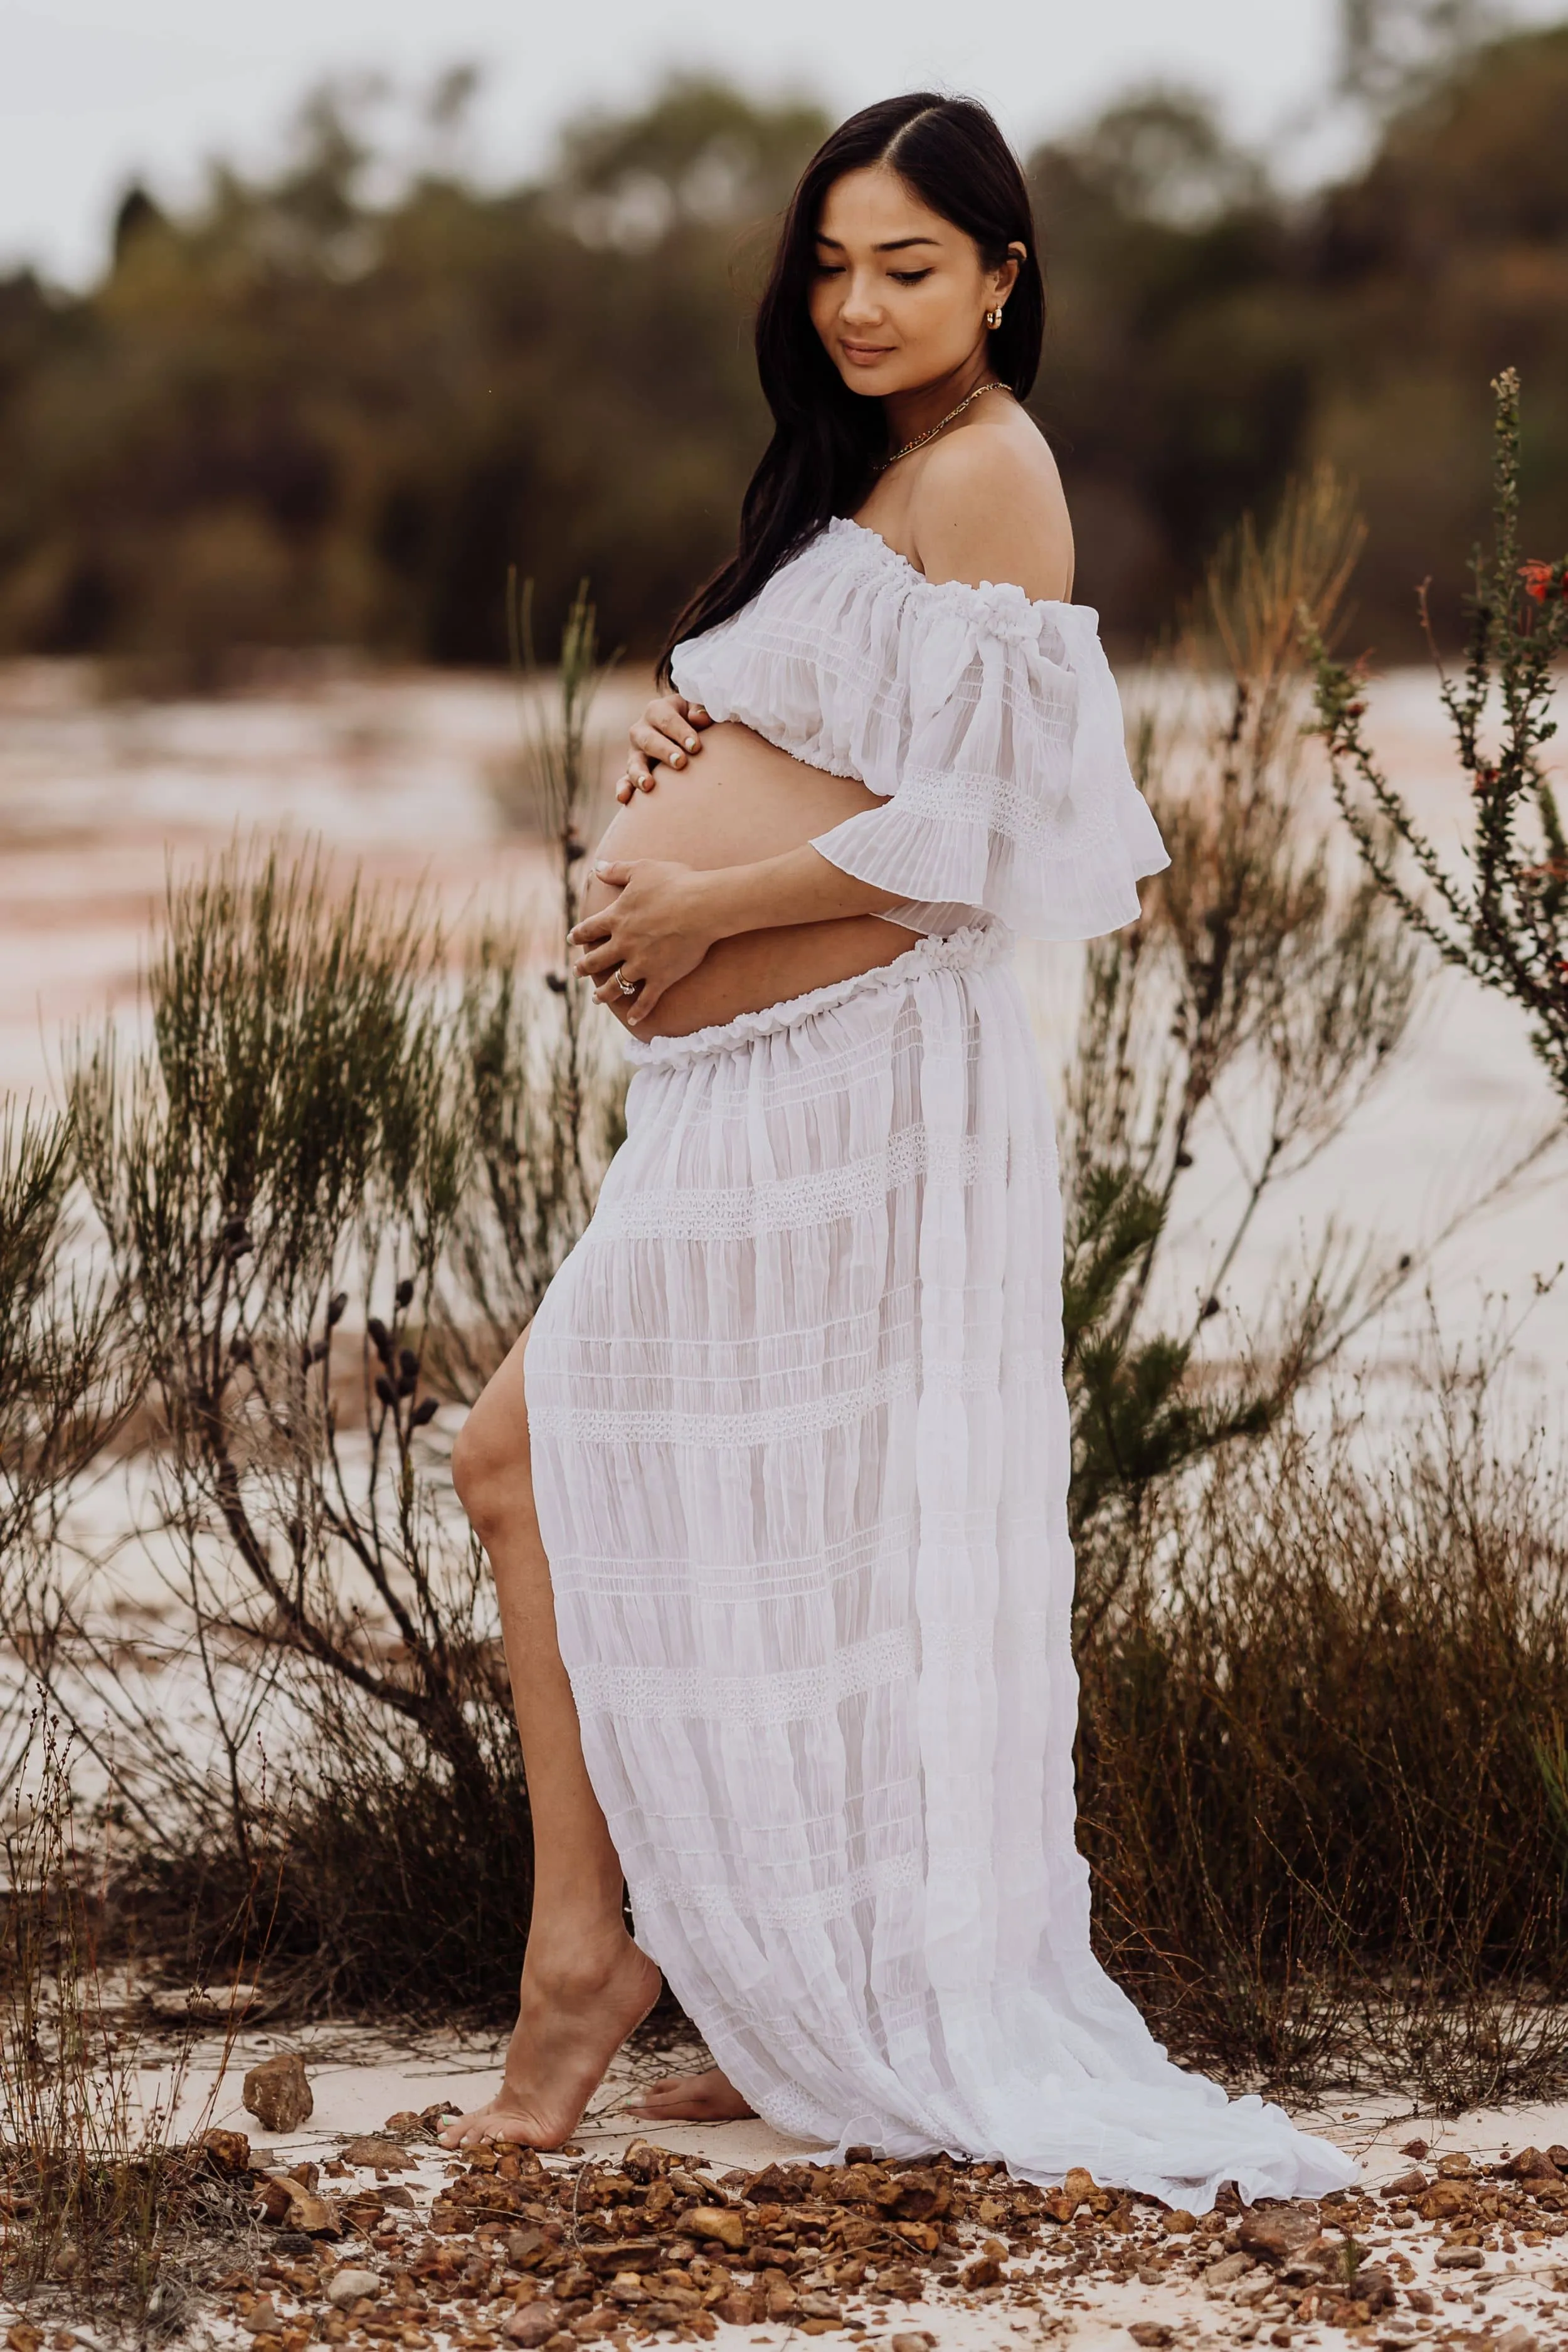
{"points": [[668, 730]]}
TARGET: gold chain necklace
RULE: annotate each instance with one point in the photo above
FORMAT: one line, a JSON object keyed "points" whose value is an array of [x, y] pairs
{"points": [[919, 443]]}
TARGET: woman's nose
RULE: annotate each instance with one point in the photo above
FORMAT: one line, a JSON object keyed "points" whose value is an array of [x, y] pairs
{"points": [[862, 305]]}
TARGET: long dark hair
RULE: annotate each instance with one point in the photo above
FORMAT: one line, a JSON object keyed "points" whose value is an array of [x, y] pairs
{"points": [[827, 439]]}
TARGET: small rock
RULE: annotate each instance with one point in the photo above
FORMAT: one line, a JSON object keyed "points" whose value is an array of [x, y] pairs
{"points": [[912, 2339], [278, 2092], [227, 2152], [1079, 2187], [1227, 2269], [1420, 2300], [1462, 2258], [290, 2203], [1178, 2224], [23, 2337], [405, 2124], [534, 2325], [1273, 2233], [1415, 2148], [718, 2221], [1530, 2164], [348, 2286], [262, 2320], [1151, 2333], [1447, 2198], [390, 2154], [1408, 2184], [1517, 2338], [620, 2254], [818, 2307], [1456, 2167], [1374, 2286]]}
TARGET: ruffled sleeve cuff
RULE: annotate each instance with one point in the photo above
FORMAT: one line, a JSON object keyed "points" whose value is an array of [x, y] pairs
{"points": [[1015, 799]]}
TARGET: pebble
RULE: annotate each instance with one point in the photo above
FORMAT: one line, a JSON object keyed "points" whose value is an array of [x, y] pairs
{"points": [[348, 2285]]}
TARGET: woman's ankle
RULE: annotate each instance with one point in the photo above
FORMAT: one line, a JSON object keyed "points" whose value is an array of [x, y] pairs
{"points": [[566, 1960]]}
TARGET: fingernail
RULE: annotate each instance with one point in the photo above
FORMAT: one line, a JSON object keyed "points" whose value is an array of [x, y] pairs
{"points": [[677, 759], [601, 865], [691, 742]]}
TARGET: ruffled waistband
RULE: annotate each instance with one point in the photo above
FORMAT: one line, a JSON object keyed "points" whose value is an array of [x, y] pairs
{"points": [[977, 943]]}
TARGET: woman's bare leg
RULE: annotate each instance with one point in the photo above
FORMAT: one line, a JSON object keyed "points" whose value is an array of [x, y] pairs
{"points": [[585, 1985]]}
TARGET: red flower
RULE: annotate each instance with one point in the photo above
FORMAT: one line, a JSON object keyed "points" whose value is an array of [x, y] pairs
{"points": [[1543, 579]]}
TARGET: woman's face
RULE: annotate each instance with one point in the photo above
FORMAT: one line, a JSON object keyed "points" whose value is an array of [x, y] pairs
{"points": [[899, 296]]}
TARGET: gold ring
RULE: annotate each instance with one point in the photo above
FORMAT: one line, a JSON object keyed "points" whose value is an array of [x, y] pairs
{"points": [[626, 987]]}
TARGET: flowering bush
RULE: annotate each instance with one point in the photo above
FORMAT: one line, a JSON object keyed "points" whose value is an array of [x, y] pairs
{"points": [[1506, 923]]}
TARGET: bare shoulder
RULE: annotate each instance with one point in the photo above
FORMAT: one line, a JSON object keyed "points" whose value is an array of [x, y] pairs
{"points": [[988, 504]]}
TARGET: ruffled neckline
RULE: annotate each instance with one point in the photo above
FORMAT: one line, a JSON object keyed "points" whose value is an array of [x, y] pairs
{"points": [[961, 595]]}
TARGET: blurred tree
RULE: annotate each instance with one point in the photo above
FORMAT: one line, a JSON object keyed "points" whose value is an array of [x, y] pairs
{"points": [[333, 405], [1388, 48]]}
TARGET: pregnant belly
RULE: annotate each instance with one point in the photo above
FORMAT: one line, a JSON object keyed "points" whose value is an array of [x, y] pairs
{"points": [[739, 800]]}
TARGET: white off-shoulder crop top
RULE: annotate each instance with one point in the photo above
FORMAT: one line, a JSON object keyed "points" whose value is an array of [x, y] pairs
{"points": [[990, 724]]}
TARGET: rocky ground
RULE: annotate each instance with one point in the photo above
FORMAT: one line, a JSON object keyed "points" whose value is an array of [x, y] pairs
{"points": [[342, 2235]]}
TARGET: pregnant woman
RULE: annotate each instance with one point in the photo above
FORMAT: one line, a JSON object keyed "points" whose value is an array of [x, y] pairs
{"points": [[774, 1486]]}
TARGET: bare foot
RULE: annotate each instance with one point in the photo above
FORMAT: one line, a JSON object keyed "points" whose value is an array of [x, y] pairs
{"points": [[707, 2098], [571, 2022]]}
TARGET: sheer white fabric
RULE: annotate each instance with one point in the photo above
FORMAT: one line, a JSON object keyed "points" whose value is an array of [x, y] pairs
{"points": [[992, 724], [800, 1453]]}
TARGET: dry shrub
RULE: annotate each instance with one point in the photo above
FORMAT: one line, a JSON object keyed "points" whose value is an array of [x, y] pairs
{"points": [[330, 1184], [1320, 1760], [94, 2190]]}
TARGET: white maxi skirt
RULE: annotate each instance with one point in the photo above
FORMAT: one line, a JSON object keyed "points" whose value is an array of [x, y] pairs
{"points": [[801, 1452]]}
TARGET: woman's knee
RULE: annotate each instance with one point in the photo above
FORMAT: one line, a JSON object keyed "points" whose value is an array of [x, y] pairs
{"points": [[491, 1466]]}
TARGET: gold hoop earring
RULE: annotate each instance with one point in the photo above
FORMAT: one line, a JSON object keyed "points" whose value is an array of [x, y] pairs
{"points": [[993, 318]]}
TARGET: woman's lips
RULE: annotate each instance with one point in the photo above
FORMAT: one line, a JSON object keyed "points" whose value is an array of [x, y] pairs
{"points": [[865, 354]]}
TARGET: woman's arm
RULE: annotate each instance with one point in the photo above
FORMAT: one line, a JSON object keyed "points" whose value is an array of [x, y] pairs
{"points": [[668, 916]]}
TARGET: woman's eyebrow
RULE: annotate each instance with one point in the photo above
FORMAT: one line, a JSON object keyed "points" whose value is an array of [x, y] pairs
{"points": [[892, 245]]}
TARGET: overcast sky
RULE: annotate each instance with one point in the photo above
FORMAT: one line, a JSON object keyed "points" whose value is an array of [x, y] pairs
{"points": [[95, 91]]}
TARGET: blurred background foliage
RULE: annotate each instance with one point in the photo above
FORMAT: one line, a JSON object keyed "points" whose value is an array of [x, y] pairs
{"points": [[330, 408]]}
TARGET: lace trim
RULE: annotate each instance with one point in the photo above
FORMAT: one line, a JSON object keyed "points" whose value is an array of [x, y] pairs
{"points": [[680, 1693], [811, 1908], [991, 804], [737, 1089], [819, 1197], [774, 1423]]}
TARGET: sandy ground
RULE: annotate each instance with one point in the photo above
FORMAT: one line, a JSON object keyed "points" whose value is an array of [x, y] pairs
{"points": [[362, 2077]]}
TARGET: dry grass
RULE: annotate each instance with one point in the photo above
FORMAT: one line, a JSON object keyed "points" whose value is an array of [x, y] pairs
{"points": [[1322, 1759], [95, 2192]]}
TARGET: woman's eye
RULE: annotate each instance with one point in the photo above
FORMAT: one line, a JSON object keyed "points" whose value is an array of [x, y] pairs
{"points": [[908, 276], [829, 269]]}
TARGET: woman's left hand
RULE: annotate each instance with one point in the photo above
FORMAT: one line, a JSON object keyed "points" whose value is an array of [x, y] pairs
{"points": [[654, 932]]}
